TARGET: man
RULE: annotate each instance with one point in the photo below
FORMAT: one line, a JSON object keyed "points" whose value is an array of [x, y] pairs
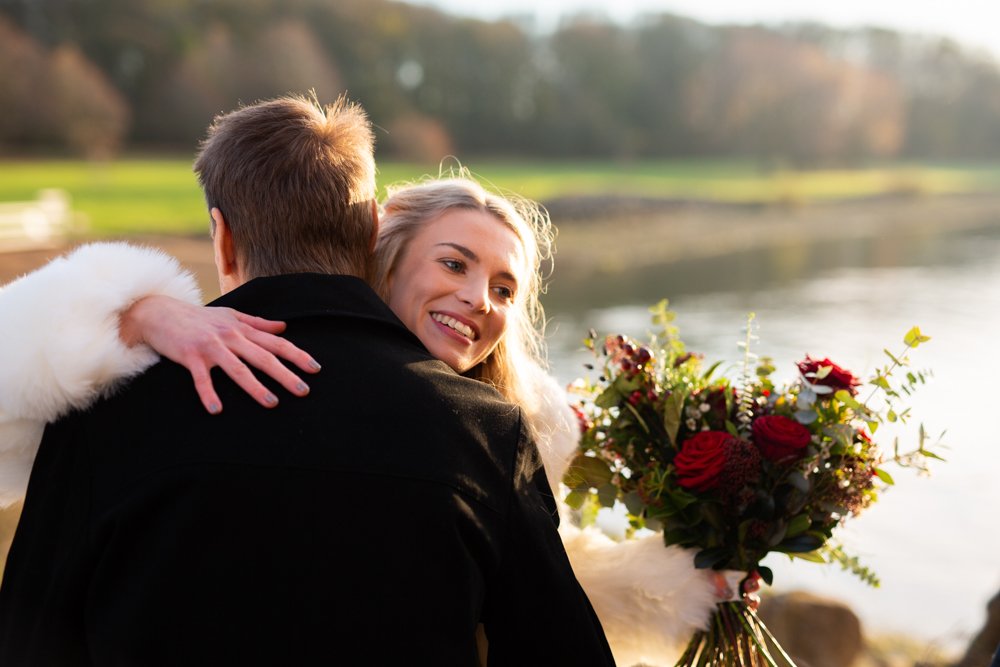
{"points": [[375, 521]]}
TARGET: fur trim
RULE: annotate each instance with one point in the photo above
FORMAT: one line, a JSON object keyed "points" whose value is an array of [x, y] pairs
{"points": [[650, 597], [60, 347], [20, 438], [59, 326]]}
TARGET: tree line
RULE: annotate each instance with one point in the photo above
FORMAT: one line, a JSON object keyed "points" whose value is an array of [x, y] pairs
{"points": [[94, 76]]}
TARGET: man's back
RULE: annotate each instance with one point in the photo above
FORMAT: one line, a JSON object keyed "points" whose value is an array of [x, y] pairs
{"points": [[377, 520]]}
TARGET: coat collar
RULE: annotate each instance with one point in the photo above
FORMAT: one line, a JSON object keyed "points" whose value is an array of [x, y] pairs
{"points": [[297, 295]]}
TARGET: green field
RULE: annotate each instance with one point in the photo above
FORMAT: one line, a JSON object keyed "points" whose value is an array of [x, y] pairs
{"points": [[161, 196]]}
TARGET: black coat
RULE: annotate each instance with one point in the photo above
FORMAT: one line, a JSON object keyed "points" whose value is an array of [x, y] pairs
{"points": [[376, 521]]}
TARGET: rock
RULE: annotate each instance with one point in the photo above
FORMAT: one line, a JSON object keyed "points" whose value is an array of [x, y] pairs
{"points": [[985, 643], [814, 631]]}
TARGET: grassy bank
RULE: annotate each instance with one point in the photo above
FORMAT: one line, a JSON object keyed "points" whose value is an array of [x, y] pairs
{"points": [[161, 196]]}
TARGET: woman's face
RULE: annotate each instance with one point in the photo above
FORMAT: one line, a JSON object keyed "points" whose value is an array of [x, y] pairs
{"points": [[456, 284]]}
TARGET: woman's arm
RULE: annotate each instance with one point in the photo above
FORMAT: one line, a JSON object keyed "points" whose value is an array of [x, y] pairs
{"points": [[73, 329]]}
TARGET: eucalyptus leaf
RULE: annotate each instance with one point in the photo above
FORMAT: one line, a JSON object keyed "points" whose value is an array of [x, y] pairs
{"points": [[913, 337], [823, 371], [811, 556], [845, 397], [798, 481], [806, 416], [884, 476]]}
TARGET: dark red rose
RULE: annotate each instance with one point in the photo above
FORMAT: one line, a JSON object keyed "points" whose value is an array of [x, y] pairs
{"points": [[701, 460], [837, 378], [779, 438]]}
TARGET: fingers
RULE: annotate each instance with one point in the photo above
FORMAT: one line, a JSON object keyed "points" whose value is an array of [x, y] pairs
{"points": [[206, 392], [285, 349], [261, 358], [238, 371], [259, 323]]}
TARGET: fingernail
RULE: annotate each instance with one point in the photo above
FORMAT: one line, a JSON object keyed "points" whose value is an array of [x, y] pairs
{"points": [[270, 399], [313, 364], [214, 408], [302, 388]]}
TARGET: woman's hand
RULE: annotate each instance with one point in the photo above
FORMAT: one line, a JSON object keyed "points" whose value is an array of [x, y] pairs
{"points": [[200, 338]]}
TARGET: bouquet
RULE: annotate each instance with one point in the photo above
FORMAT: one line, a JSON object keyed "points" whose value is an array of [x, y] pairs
{"points": [[737, 468]]}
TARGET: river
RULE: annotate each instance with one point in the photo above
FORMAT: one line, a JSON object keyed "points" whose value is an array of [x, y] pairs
{"points": [[933, 541]]}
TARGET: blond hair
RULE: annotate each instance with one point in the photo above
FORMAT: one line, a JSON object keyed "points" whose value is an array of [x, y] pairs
{"points": [[295, 183], [408, 207]]}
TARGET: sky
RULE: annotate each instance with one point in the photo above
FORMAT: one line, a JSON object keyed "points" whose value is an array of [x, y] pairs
{"points": [[973, 23]]}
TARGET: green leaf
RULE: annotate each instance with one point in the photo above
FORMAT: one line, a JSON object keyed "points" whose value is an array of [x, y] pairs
{"points": [[711, 369], [707, 558], [797, 525], [823, 371], [766, 574], [607, 495], [587, 472], [633, 503], [891, 415], [673, 407], [880, 381], [797, 480], [575, 499], [811, 556], [845, 397], [872, 427], [884, 476], [609, 398], [914, 338], [801, 543]]}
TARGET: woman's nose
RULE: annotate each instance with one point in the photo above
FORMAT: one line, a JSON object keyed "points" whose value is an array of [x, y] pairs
{"points": [[477, 295]]}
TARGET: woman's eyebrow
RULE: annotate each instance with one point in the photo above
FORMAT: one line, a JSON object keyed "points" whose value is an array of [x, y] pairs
{"points": [[469, 255]]}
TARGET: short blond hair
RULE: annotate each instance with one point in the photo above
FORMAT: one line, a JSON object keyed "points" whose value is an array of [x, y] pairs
{"points": [[408, 207], [295, 182]]}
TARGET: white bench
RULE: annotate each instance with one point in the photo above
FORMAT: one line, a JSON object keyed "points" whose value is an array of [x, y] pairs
{"points": [[38, 223]]}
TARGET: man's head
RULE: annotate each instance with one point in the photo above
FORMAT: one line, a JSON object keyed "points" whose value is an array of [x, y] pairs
{"points": [[291, 186]]}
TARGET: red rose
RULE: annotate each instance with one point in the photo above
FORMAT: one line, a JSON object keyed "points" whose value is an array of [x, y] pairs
{"points": [[779, 438], [837, 378], [701, 460]]}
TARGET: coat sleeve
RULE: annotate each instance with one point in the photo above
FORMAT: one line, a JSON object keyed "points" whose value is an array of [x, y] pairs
{"points": [[60, 347], [649, 597]]}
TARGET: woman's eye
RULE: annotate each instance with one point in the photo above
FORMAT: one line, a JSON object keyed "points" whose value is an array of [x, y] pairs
{"points": [[453, 265], [504, 292]]}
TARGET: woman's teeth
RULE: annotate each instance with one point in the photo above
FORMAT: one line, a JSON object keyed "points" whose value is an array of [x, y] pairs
{"points": [[461, 328]]}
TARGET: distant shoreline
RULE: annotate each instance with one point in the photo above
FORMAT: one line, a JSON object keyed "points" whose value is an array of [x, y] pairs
{"points": [[613, 235]]}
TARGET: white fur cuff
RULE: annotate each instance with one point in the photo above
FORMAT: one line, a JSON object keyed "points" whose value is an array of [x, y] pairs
{"points": [[59, 342]]}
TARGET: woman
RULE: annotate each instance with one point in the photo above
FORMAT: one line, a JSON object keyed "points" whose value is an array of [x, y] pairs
{"points": [[465, 285]]}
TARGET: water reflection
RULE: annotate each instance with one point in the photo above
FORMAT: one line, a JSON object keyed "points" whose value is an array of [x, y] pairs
{"points": [[933, 542]]}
